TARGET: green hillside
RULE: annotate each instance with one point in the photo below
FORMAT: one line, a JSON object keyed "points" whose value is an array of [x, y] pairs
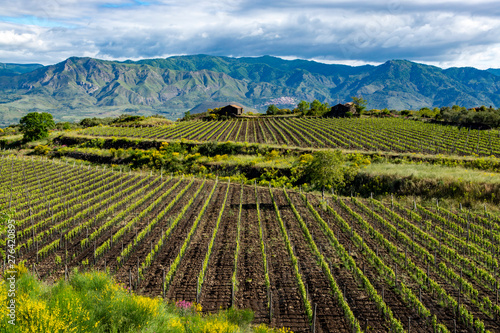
{"points": [[16, 69], [82, 87]]}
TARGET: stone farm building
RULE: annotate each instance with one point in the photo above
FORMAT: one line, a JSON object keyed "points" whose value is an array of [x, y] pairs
{"points": [[231, 110], [340, 110]]}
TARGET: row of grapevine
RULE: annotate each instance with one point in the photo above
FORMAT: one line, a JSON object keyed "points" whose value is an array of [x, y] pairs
{"points": [[175, 264], [263, 248], [165, 235], [147, 229], [234, 282], [395, 324], [201, 276], [418, 255], [294, 260], [386, 272], [418, 275], [365, 134]]}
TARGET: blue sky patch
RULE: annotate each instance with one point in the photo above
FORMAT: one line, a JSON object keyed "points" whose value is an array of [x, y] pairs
{"points": [[34, 20]]}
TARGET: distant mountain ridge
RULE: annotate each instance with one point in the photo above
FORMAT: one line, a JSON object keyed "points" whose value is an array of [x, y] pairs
{"points": [[16, 69], [495, 71], [82, 87]]}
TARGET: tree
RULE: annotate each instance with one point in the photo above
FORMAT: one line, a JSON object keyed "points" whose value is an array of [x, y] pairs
{"points": [[64, 126], [457, 108], [188, 116], [303, 107], [316, 108], [35, 126], [426, 112], [272, 110], [328, 169], [91, 122], [385, 112], [125, 118], [359, 103]]}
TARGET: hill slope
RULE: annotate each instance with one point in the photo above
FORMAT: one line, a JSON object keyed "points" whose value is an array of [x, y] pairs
{"points": [[495, 71], [80, 87], [16, 69]]}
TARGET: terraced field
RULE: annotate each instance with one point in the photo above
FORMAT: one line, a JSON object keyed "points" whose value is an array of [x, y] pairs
{"points": [[397, 135], [338, 264]]}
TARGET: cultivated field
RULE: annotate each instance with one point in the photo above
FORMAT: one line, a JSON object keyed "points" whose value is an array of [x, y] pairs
{"points": [[340, 264], [396, 135]]}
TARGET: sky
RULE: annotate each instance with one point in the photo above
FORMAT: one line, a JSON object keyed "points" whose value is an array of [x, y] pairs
{"points": [[443, 33]]}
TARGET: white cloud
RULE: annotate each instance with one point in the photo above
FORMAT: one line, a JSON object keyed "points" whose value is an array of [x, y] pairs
{"points": [[483, 58], [11, 38], [441, 32]]}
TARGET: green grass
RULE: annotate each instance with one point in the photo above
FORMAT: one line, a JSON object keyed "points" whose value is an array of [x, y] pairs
{"points": [[280, 162], [93, 302], [433, 172], [12, 137], [155, 121]]}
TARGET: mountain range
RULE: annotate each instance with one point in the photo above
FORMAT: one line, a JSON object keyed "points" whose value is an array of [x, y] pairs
{"points": [[87, 87]]}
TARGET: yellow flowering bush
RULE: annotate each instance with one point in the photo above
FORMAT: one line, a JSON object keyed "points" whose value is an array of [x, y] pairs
{"points": [[94, 302], [273, 154], [38, 310], [163, 145], [34, 316], [19, 270], [41, 149], [305, 158], [176, 325]]}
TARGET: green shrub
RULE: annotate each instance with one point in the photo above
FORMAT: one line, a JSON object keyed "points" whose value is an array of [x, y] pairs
{"points": [[328, 169]]}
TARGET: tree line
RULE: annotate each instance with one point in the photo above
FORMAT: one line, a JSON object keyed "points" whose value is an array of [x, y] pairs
{"points": [[482, 117], [315, 108]]}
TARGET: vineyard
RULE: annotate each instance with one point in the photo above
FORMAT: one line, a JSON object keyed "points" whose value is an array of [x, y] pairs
{"points": [[373, 134], [334, 264]]}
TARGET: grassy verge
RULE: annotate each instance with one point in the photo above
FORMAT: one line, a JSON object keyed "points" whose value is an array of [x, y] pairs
{"points": [[468, 193], [433, 172], [93, 302], [257, 161]]}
